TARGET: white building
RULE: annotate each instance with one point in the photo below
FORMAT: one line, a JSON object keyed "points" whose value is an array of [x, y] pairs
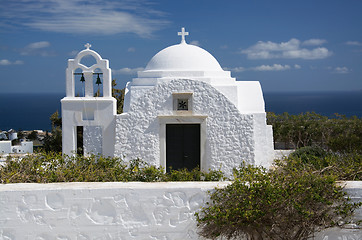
{"points": [[12, 134], [5, 147], [183, 110], [24, 147], [3, 136]]}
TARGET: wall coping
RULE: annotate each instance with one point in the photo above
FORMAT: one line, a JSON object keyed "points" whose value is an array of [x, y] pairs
{"points": [[131, 185], [12, 187]]}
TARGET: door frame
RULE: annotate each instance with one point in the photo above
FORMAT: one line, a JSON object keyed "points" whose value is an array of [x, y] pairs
{"points": [[184, 119]]}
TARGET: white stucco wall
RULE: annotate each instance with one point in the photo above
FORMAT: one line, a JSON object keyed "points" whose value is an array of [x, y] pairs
{"points": [[264, 146], [5, 147], [24, 147], [280, 154], [231, 114], [250, 97], [135, 210], [229, 134], [88, 112], [92, 140], [101, 210]]}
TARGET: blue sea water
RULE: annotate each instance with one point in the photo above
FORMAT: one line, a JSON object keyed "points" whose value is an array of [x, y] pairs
{"points": [[324, 103], [24, 111], [32, 111]]}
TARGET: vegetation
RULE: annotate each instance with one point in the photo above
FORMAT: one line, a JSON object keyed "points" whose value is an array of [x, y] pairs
{"points": [[344, 166], [33, 135], [296, 198], [118, 94], [339, 134], [53, 167], [291, 201], [300, 195], [53, 141]]}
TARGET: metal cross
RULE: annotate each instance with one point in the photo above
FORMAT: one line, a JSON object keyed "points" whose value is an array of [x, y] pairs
{"points": [[87, 45], [183, 34]]}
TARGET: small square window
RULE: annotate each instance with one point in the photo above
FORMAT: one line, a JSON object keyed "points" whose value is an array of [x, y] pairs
{"points": [[182, 101], [182, 104]]}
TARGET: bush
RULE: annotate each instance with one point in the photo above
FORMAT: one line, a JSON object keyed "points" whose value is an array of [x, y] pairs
{"points": [[280, 204], [53, 167], [309, 152], [339, 134], [345, 166]]}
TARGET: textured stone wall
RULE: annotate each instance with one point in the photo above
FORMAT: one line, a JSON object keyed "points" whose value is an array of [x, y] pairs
{"points": [[229, 139], [85, 211], [106, 211], [92, 140]]}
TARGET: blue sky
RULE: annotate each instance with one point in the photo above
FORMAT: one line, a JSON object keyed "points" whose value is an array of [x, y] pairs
{"points": [[288, 46]]}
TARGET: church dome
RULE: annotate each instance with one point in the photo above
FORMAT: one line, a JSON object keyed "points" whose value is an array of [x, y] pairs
{"points": [[183, 57]]}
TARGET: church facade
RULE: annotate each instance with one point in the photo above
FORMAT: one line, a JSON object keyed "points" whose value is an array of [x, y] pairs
{"points": [[182, 110]]}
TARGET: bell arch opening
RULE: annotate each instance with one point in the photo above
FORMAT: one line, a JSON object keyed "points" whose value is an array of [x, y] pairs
{"points": [[79, 83], [88, 60], [98, 82]]}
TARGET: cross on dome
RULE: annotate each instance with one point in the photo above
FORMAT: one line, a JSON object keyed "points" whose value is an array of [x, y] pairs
{"points": [[183, 34], [87, 45]]}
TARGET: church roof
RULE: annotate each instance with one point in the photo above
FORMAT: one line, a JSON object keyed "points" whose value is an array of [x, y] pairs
{"points": [[183, 61], [183, 57]]}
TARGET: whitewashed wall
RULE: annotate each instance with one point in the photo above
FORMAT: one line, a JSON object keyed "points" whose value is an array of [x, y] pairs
{"points": [[94, 113], [92, 140], [5, 147], [101, 210], [96, 211], [229, 138]]}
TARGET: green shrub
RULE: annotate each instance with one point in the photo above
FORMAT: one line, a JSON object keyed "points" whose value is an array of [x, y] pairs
{"points": [[194, 175], [345, 166], [339, 134], [278, 204], [309, 152], [53, 167]]}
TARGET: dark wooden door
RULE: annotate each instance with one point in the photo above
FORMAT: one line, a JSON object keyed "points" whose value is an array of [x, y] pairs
{"points": [[182, 146]]}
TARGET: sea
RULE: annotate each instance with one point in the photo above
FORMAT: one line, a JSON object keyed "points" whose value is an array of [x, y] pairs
{"points": [[31, 111]]}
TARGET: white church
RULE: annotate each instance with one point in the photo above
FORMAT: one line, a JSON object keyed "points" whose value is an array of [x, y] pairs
{"points": [[182, 111]]}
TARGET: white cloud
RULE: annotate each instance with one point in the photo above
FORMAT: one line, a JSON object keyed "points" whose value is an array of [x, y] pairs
{"points": [[314, 42], [127, 71], [341, 70], [5, 62], [96, 17], [275, 67], [317, 53], [196, 43], [291, 50], [224, 47], [131, 49], [37, 48], [236, 69], [297, 66], [354, 43], [38, 45]]}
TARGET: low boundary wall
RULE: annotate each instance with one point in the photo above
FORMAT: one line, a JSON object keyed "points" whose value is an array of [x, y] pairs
{"points": [[134, 210]]}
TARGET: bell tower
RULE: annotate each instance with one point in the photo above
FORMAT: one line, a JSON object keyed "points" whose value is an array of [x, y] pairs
{"points": [[90, 112]]}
